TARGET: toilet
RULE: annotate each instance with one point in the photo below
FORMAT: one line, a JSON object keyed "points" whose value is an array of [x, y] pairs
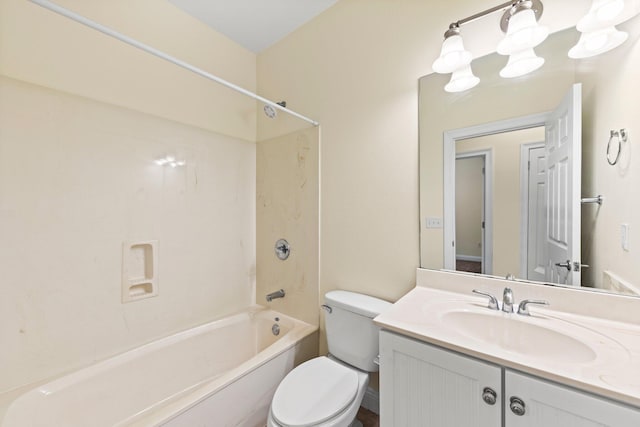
{"points": [[327, 391]]}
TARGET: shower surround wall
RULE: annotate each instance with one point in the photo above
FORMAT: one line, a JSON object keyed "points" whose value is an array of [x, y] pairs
{"points": [[77, 179], [82, 119], [288, 207]]}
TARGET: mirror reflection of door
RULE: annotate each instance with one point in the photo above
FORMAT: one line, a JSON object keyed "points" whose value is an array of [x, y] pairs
{"points": [[471, 208], [536, 212], [563, 152]]}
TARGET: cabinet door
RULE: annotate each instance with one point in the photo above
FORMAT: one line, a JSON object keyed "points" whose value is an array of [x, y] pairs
{"points": [[422, 385], [551, 405]]}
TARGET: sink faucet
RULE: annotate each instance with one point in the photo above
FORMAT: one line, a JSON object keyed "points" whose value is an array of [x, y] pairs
{"points": [[274, 295], [507, 300]]}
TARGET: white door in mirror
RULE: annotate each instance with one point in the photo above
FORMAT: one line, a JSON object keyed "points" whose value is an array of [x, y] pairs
{"points": [[563, 149]]}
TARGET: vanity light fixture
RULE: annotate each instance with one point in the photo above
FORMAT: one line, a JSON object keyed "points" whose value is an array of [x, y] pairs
{"points": [[594, 43], [599, 35], [523, 30], [461, 80], [521, 63], [602, 11], [520, 24], [453, 55], [455, 59], [523, 33]]}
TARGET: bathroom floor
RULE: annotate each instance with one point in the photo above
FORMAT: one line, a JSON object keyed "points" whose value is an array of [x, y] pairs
{"points": [[368, 418], [469, 266]]}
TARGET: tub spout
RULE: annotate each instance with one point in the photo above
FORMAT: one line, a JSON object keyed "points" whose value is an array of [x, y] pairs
{"points": [[274, 295]]}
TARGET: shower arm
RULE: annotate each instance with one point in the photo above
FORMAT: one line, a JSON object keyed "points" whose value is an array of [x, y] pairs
{"points": [[153, 51]]}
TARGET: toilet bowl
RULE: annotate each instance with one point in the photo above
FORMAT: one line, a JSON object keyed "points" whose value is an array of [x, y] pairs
{"points": [[322, 392], [327, 391]]}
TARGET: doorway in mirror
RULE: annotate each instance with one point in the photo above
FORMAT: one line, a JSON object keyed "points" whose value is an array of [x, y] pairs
{"points": [[473, 211]]}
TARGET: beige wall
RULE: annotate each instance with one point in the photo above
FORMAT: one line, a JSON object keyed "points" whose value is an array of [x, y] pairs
{"points": [[44, 48], [83, 117], [287, 197]]}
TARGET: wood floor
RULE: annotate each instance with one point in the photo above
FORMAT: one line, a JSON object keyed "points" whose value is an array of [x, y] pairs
{"points": [[368, 418], [468, 266]]}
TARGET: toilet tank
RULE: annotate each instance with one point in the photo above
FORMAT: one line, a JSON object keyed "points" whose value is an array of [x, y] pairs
{"points": [[351, 334]]}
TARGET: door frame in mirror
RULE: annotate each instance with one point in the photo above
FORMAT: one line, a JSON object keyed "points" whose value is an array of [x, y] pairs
{"points": [[449, 139], [525, 200]]}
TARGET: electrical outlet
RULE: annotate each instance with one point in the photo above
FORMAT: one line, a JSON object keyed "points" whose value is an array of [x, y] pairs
{"points": [[434, 222], [624, 236]]}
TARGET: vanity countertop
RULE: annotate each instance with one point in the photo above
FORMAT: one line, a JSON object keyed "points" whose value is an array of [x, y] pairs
{"points": [[613, 372]]}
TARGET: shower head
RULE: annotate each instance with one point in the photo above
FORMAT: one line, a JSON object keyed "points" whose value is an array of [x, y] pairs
{"points": [[271, 111]]}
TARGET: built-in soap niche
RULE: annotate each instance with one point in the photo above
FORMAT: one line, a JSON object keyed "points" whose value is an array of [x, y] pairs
{"points": [[139, 270]]}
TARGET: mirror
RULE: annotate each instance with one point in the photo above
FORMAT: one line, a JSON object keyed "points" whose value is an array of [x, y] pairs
{"points": [[607, 243], [548, 238]]}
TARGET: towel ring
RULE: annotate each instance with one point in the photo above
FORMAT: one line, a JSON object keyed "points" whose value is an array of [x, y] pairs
{"points": [[621, 137]]}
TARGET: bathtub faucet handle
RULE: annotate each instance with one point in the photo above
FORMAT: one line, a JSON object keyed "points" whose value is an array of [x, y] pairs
{"points": [[274, 295]]}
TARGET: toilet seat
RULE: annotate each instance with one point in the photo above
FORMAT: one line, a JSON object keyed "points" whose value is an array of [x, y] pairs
{"points": [[314, 392]]}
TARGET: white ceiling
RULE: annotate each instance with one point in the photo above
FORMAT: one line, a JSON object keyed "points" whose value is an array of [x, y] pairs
{"points": [[255, 24]]}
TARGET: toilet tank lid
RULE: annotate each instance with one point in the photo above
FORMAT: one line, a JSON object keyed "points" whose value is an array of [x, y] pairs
{"points": [[354, 302]]}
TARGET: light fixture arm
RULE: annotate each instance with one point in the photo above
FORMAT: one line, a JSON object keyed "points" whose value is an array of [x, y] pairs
{"points": [[511, 7], [485, 13]]}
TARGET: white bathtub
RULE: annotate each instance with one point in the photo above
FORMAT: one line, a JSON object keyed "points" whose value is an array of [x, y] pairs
{"points": [[223, 373]]}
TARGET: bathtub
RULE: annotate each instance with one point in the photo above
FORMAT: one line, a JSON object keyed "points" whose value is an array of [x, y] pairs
{"points": [[223, 373]]}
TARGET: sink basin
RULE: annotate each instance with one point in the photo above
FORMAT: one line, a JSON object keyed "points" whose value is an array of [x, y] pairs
{"points": [[519, 334]]}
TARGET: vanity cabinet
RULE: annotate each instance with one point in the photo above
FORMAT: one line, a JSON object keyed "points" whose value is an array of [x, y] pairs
{"points": [[424, 385], [549, 404]]}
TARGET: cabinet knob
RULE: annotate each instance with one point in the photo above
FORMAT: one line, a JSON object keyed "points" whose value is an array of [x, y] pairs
{"points": [[489, 396], [517, 406]]}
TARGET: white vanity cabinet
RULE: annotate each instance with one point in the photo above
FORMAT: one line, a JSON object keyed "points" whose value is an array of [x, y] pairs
{"points": [[424, 385], [551, 405]]}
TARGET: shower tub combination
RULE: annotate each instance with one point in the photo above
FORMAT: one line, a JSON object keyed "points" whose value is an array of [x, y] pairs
{"points": [[223, 373]]}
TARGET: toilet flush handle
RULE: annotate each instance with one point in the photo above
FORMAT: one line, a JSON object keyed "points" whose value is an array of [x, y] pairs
{"points": [[327, 308]]}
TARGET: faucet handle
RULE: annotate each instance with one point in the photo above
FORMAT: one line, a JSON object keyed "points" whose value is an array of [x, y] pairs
{"points": [[493, 302], [524, 310]]}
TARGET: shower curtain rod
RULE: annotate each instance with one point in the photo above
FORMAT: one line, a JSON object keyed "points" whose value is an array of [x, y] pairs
{"points": [[112, 33]]}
